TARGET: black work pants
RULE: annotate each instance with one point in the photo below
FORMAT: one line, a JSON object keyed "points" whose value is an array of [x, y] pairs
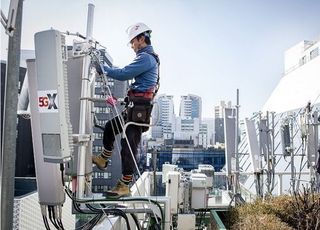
{"points": [[112, 128]]}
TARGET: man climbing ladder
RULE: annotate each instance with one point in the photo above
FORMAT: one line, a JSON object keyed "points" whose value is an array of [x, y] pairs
{"points": [[144, 69]]}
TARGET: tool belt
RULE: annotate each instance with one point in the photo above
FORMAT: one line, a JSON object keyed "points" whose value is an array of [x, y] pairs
{"points": [[143, 95], [139, 107]]}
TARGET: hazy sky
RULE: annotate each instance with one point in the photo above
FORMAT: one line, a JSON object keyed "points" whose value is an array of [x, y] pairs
{"points": [[207, 48]]}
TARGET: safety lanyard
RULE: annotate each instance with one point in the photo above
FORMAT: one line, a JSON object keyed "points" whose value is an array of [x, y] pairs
{"points": [[158, 62]]}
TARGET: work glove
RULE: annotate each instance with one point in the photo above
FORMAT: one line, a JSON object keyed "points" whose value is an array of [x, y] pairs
{"points": [[111, 100], [98, 67]]}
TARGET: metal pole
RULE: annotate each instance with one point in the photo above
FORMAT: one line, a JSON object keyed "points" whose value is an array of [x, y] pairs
{"points": [[268, 153], [272, 150], [10, 124], [154, 163], [237, 145], [279, 184], [259, 175], [293, 179], [314, 176], [84, 113]]}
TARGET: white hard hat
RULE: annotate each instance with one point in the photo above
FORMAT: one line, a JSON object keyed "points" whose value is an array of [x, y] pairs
{"points": [[137, 29]]}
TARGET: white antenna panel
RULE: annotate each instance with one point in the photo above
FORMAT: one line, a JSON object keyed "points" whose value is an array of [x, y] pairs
{"points": [[52, 96], [229, 137], [253, 144]]}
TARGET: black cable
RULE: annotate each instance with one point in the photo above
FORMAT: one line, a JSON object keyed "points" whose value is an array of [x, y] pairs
{"points": [[95, 210], [121, 199], [74, 203], [152, 201], [60, 223], [61, 170], [113, 211], [122, 214], [50, 217], [87, 223], [81, 36], [95, 221], [77, 208], [56, 224], [56, 220], [99, 126], [134, 217], [99, 212], [45, 221]]}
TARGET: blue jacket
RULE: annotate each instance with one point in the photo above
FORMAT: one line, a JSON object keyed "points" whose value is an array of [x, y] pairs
{"points": [[143, 69]]}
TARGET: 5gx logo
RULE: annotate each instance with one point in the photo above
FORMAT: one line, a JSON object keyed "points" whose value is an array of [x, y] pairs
{"points": [[48, 101]]}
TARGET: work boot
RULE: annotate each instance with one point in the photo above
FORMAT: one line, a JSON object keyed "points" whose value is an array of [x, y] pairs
{"points": [[102, 160], [120, 190]]}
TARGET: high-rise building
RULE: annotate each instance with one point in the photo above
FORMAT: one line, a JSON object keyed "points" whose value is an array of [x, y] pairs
{"points": [[219, 109], [190, 106], [187, 129], [219, 121], [203, 135], [301, 70], [209, 122], [163, 117]]}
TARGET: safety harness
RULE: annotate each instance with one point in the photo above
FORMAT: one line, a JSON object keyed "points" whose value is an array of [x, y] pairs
{"points": [[139, 104]]}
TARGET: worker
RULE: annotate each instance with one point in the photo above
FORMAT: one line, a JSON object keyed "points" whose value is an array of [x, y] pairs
{"points": [[144, 69]]}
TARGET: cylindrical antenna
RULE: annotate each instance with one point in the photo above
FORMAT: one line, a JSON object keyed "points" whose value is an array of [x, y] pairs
{"points": [[90, 21]]}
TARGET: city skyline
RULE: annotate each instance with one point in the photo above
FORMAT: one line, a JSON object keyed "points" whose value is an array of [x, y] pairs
{"points": [[188, 124], [208, 49]]}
